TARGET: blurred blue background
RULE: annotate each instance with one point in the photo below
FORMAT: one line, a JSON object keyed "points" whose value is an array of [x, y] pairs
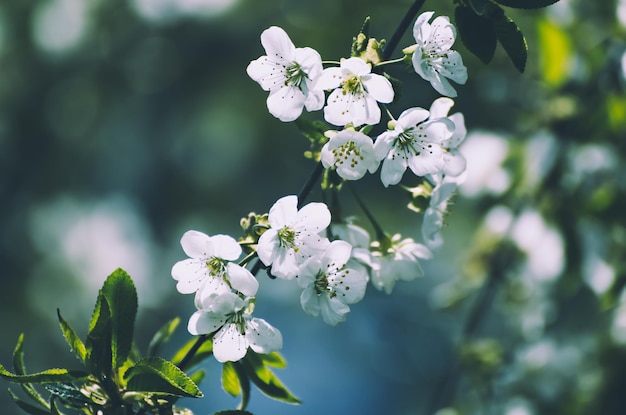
{"points": [[125, 123]]}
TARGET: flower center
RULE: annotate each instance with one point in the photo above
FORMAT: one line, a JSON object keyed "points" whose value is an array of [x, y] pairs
{"points": [[295, 76], [238, 320], [413, 140], [287, 238], [216, 266], [348, 152], [353, 85], [321, 285]]}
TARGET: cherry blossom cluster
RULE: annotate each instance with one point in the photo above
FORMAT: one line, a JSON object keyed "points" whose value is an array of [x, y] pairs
{"points": [[332, 259]]}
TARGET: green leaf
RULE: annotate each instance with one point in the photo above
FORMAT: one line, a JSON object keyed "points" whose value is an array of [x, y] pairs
{"points": [[72, 338], [526, 4], [265, 380], [274, 359], [54, 409], [162, 336], [476, 32], [512, 40], [314, 131], [230, 379], [68, 394], [154, 374], [205, 351], [121, 296], [47, 376], [98, 343], [27, 407], [20, 369], [198, 376]]}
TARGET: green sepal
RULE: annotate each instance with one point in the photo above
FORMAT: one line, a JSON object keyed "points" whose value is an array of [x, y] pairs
{"points": [[205, 351], [159, 376], [121, 296], [526, 4], [162, 336], [512, 40], [274, 359], [20, 369], [46, 376], [27, 407], [476, 33], [264, 379], [236, 382], [72, 339]]}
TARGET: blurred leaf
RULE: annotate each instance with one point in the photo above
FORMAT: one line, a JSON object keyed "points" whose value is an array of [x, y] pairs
{"points": [[20, 369], [265, 380], [512, 40], [54, 409], [198, 376], [98, 343], [27, 407], [483, 7], [72, 338], [154, 374], [46, 376], [230, 379], [526, 4], [476, 32], [205, 351], [314, 131], [274, 359], [121, 296], [162, 336], [555, 52], [616, 112]]}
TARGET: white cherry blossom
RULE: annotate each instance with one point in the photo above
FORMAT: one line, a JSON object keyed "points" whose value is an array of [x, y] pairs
{"points": [[329, 285], [415, 142], [356, 93], [351, 153], [433, 220], [287, 73], [433, 59], [454, 162], [294, 235], [235, 329], [396, 259], [209, 264]]}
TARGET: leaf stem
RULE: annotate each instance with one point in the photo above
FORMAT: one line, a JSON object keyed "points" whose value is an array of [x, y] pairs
{"points": [[380, 234], [192, 351]]}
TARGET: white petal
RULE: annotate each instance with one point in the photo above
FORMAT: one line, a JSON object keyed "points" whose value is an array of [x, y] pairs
{"points": [[308, 271], [441, 85], [286, 103], [411, 117], [442, 33], [263, 337], [269, 73], [277, 44], [310, 61], [309, 300], [440, 107], [210, 289], [268, 246], [189, 273], [459, 130], [393, 168], [312, 218], [283, 212], [378, 87], [406, 270], [383, 144], [338, 107], [365, 110], [326, 156], [330, 78], [356, 66], [453, 68], [242, 280], [454, 163], [202, 322], [335, 256], [229, 345], [431, 227], [421, 28], [225, 247], [314, 100], [195, 244], [350, 285], [430, 161], [438, 130], [285, 264], [333, 311]]}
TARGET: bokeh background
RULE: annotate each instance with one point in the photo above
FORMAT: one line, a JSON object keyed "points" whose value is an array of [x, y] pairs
{"points": [[124, 123]]}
